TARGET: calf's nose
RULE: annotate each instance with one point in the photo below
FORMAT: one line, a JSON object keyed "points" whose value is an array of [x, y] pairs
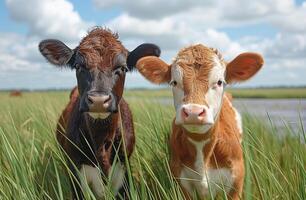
{"points": [[193, 114], [99, 103]]}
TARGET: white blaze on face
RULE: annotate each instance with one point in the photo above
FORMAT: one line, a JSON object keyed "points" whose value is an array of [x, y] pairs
{"points": [[214, 94], [91, 176], [178, 92]]}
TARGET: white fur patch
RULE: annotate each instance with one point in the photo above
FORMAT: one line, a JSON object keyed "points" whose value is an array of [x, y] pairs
{"points": [[204, 180], [93, 178], [117, 176], [178, 92], [238, 120], [217, 72], [220, 179], [99, 115], [177, 74], [214, 94], [192, 179]]}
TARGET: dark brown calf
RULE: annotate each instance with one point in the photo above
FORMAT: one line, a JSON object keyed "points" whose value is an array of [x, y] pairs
{"points": [[96, 128]]}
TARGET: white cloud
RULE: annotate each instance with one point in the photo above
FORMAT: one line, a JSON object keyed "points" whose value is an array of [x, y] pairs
{"points": [[152, 8], [22, 66], [13, 63], [293, 21], [132, 25], [284, 14], [45, 18], [17, 53], [171, 34], [244, 10], [283, 45]]}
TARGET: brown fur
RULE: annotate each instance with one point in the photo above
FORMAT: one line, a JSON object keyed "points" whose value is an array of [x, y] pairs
{"points": [[159, 71], [65, 117], [99, 48], [249, 64]]}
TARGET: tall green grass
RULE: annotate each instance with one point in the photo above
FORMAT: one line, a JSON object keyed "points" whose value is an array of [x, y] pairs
{"points": [[32, 165]]}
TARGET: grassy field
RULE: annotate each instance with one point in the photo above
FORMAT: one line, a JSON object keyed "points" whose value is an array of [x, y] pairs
{"points": [[274, 93], [32, 165]]}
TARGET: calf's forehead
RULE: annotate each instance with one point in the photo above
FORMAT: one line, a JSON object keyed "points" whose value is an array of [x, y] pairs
{"points": [[100, 49], [199, 66], [104, 60]]}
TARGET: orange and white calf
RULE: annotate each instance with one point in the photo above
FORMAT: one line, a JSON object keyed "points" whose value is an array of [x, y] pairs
{"points": [[206, 153]]}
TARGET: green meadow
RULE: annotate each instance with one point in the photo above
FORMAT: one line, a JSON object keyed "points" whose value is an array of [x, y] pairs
{"points": [[271, 93], [32, 166]]}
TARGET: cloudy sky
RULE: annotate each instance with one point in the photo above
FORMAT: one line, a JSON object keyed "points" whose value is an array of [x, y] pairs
{"points": [[274, 28]]}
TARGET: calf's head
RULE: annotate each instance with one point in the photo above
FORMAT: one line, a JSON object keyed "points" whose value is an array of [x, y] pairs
{"points": [[198, 76], [101, 63]]}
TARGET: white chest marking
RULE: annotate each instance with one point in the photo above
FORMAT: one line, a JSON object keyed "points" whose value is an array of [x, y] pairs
{"points": [[203, 180], [92, 176], [238, 120], [117, 176], [237, 115]]}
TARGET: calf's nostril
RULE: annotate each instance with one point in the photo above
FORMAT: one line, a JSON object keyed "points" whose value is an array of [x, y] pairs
{"points": [[90, 100], [202, 113], [107, 99], [185, 112]]}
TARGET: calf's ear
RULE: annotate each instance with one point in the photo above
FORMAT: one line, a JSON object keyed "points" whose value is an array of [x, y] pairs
{"points": [[154, 69], [55, 51], [243, 67], [142, 50]]}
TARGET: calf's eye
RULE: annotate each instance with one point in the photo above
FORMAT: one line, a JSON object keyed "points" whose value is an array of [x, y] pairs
{"points": [[173, 83], [79, 68], [124, 69], [219, 83], [120, 69], [117, 72]]}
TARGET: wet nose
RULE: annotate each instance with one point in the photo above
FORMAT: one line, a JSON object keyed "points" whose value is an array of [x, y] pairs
{"points": [[193, 114], [99, 103]]}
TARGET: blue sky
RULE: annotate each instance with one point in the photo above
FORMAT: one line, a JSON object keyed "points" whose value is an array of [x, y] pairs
{"points": [[274, 28]]}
